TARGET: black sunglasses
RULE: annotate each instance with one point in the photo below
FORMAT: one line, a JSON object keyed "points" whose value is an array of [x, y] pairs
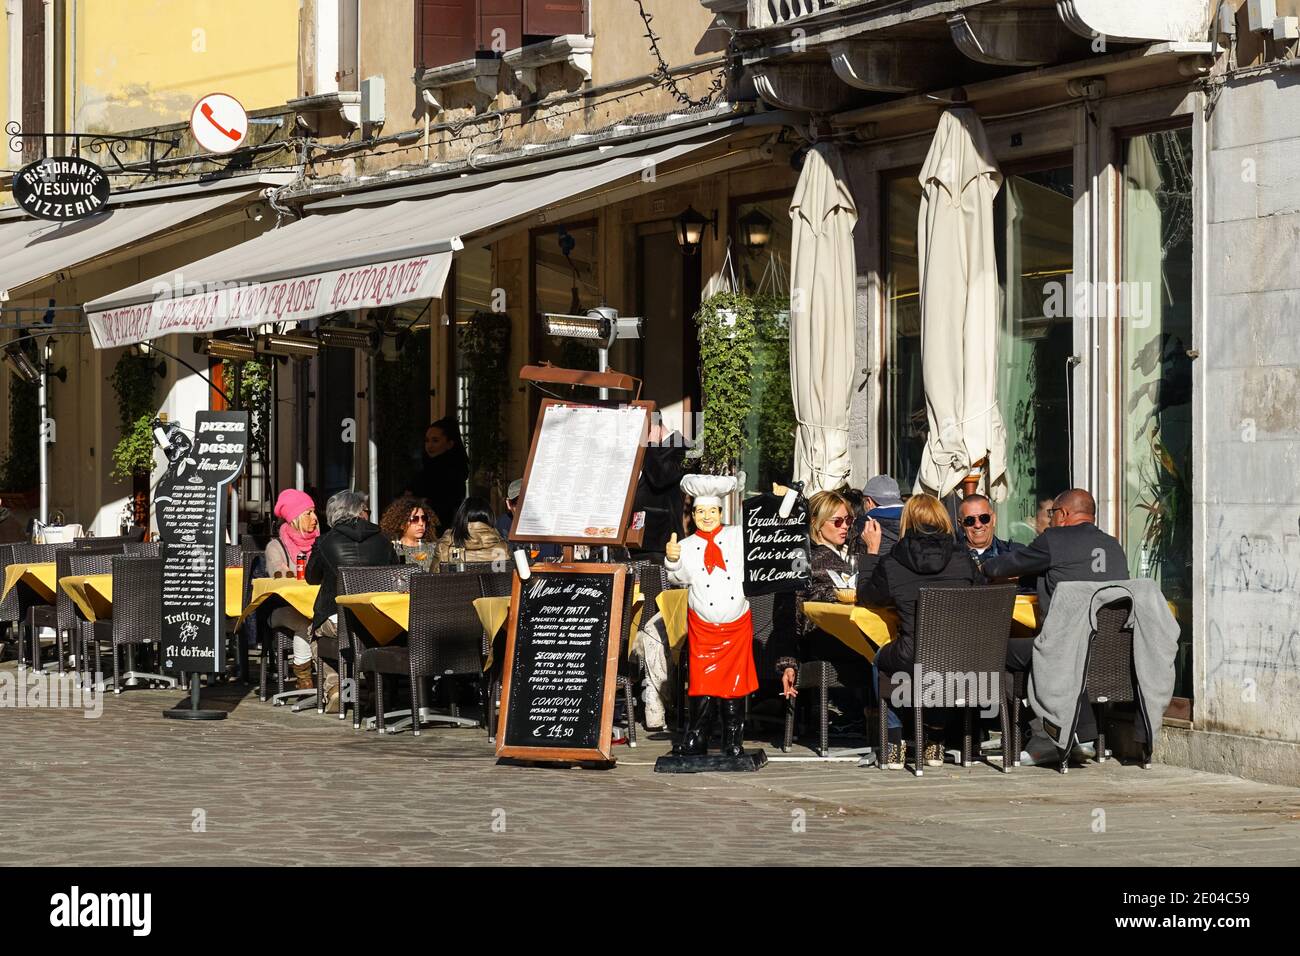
{"points": [[969, 520]]}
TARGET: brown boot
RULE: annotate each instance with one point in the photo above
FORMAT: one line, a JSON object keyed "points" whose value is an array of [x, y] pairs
{"points": [[302, 674]]}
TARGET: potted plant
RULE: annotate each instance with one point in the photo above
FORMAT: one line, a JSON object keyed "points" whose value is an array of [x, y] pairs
{"points": [[727, 333]]}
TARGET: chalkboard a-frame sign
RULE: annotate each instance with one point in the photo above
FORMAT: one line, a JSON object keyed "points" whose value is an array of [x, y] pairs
{"points": [[561, 664]]}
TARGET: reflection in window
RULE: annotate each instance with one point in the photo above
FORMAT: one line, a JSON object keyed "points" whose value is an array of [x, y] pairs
{"points": [[1156, 332], [1034, 236], [1034, 243], [473, 291], [760, 248]]}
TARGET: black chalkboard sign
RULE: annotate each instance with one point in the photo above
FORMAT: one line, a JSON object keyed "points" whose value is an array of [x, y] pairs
{"points": [[776, 548], [558, 683], [190, 504]]}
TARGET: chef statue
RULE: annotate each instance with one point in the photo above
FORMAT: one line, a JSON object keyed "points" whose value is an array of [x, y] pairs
{"points": [[720, 636]]}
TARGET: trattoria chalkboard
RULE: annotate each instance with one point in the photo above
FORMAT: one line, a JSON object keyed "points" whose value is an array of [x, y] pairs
{"points": [[558, 683], [191, 505], [776, 548]]}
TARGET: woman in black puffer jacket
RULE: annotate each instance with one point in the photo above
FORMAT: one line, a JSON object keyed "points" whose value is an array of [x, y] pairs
{"points": [[926, 556]]}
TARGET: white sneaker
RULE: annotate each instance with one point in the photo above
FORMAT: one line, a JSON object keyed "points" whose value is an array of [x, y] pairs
{"points": [[1081, 751], [1039, 750]]}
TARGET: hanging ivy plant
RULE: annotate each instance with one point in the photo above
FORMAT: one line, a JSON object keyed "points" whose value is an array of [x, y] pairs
{"points": [[772, 422], [133, 385], [254, 397], [483, 344], [726, 324]]}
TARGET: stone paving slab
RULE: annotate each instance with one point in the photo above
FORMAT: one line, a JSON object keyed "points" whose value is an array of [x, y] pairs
{"points": [[272, 787]]}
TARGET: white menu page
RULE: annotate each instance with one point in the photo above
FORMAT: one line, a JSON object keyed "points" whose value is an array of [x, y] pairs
{"points": [[581, 472]]}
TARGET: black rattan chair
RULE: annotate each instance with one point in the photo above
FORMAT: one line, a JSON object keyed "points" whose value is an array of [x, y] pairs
{"points": [[1110, 676], [445, 640], [959, 631], [144, 549], [473, 567], [71, 624], [31, 612], [137, 616], [352, 640]]}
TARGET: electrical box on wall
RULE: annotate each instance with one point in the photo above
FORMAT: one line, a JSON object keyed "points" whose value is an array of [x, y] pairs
{"points": [[1228, 20], [1286, 28], [1261, 14], [372, 100]]}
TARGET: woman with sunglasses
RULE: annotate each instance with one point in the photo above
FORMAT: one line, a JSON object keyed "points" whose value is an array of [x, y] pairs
{"points": [[830, 520], [409, 523]]}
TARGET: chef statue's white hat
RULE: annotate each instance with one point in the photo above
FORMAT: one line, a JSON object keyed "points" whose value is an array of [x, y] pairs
{"points": [[708, 489]]}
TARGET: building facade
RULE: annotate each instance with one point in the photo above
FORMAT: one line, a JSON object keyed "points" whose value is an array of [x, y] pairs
{"points": [[1145, 233]]}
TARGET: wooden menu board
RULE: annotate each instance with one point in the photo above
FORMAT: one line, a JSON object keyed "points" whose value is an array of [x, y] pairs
{"points": [[582, 472], [561, 663]]}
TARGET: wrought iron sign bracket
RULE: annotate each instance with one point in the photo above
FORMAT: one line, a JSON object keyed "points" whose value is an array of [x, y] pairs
{"points": [[114, 146]]}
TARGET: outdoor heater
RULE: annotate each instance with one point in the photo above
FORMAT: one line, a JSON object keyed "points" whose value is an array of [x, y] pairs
{"points": [[600, 328], [293, 346], [21, 364], [238, 350], [342, 337]]}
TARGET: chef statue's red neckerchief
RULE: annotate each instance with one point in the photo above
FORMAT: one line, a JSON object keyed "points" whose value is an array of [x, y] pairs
{"points": [[712, 551]]}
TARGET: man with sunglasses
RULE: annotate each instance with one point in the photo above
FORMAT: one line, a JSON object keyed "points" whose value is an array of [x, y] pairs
{"points": [[978, 523]]}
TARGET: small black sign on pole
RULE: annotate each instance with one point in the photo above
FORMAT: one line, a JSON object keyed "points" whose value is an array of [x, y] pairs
{"points": [[191, 502]]}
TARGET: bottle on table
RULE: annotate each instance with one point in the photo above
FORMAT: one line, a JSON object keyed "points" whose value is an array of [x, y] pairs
{"points": [[300, 566]]}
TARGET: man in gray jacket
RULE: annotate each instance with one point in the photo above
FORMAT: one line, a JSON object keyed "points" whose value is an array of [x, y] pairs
{"points": [[1072, 549]]}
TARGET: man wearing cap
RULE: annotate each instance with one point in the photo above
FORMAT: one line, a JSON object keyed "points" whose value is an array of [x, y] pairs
{"points": [[536, 551], [884, 505], [720, 634]]}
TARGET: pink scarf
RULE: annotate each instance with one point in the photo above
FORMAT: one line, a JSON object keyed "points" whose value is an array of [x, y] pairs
{"points": [[295, 542]]}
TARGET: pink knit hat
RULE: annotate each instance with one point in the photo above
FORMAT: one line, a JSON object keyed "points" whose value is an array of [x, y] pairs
{"points": [[291, 503]]}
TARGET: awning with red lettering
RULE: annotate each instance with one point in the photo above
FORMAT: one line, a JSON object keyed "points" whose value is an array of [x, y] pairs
{"points": [[364, 257]]}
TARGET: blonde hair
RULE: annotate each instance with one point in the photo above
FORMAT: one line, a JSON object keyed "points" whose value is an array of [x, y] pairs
{"points": [[926, 514], [821, 508]]}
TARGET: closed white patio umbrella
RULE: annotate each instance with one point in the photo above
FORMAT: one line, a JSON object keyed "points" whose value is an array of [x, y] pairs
{"points": [[822, 292], [959, 310]]}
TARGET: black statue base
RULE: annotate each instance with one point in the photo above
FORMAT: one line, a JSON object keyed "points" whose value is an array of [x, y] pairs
{"points": [[750, 761], [184, 713]]}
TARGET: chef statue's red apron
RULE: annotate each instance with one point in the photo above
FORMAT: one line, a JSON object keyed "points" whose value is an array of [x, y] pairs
{"points": [[720, 635]]}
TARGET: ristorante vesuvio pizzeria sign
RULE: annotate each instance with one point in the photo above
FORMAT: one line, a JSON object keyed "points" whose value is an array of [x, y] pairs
{"points": [[62, 188]]}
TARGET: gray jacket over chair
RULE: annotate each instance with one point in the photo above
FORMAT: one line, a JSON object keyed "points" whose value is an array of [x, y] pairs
{"points": [[1062, 646]]}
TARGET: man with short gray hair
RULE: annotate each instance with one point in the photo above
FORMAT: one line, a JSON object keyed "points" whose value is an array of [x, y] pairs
{"points": [[352, 541]]}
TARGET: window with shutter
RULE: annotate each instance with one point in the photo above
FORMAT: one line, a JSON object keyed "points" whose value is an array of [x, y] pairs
{"points": [[444, 31], [500, 25], [552, 18], [33, 88]]}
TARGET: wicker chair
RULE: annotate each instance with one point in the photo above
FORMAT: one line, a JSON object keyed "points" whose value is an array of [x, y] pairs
{"points": [[137, 615], [959, 631], [136, 536], [351, 642], [30, 613], [1110, 677], [78, 561], [493, 584], [144, 549], [473, 567], [445, 640]]}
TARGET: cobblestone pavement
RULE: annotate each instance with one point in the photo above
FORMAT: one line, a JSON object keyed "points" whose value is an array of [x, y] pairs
{"points": [[272, 787]]}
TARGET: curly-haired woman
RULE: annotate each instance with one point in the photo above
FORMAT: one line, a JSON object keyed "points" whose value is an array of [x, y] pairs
{"points": [[410, 524]]}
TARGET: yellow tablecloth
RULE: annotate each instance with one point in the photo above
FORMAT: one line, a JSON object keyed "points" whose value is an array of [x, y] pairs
{"points": [[385, 614], [672, 606], [39, 577], [93, 593], [299, 595], [867, 629]]}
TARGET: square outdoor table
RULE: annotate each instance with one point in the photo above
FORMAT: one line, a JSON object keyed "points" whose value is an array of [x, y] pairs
{"points": [[385, 614], [40, 577], [299, 595], [867, 629]]}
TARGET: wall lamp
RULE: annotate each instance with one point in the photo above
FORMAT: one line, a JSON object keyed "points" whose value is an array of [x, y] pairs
{"points": [[690, 230], [755, 230]]}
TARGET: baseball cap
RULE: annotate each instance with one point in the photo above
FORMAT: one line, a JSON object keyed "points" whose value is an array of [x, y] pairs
{"points": [[883, 490]]}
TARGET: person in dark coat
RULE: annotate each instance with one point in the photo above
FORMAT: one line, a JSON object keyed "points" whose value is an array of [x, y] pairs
{"points": [[884, 505], [1072, 549], [441, 481], [926, 555], [658, 491]]}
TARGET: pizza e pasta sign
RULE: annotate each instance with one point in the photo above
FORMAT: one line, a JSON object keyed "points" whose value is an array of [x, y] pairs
{"points": [[61, 188]]}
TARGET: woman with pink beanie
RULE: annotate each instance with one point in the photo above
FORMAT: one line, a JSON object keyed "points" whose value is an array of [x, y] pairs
{"points": [[298, 532]]}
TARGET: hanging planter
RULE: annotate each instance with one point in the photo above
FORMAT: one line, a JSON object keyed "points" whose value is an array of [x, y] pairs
{"points": [[726, 324]]}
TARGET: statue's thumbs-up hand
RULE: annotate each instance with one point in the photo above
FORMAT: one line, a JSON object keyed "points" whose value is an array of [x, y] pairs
{"points": [[673, 550]]}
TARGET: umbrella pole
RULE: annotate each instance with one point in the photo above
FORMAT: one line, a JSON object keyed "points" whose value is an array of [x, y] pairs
{"points": [[970, 484]]}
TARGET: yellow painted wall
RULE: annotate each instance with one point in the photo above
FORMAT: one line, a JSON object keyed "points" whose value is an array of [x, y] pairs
{"points": [[142, 63]]}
